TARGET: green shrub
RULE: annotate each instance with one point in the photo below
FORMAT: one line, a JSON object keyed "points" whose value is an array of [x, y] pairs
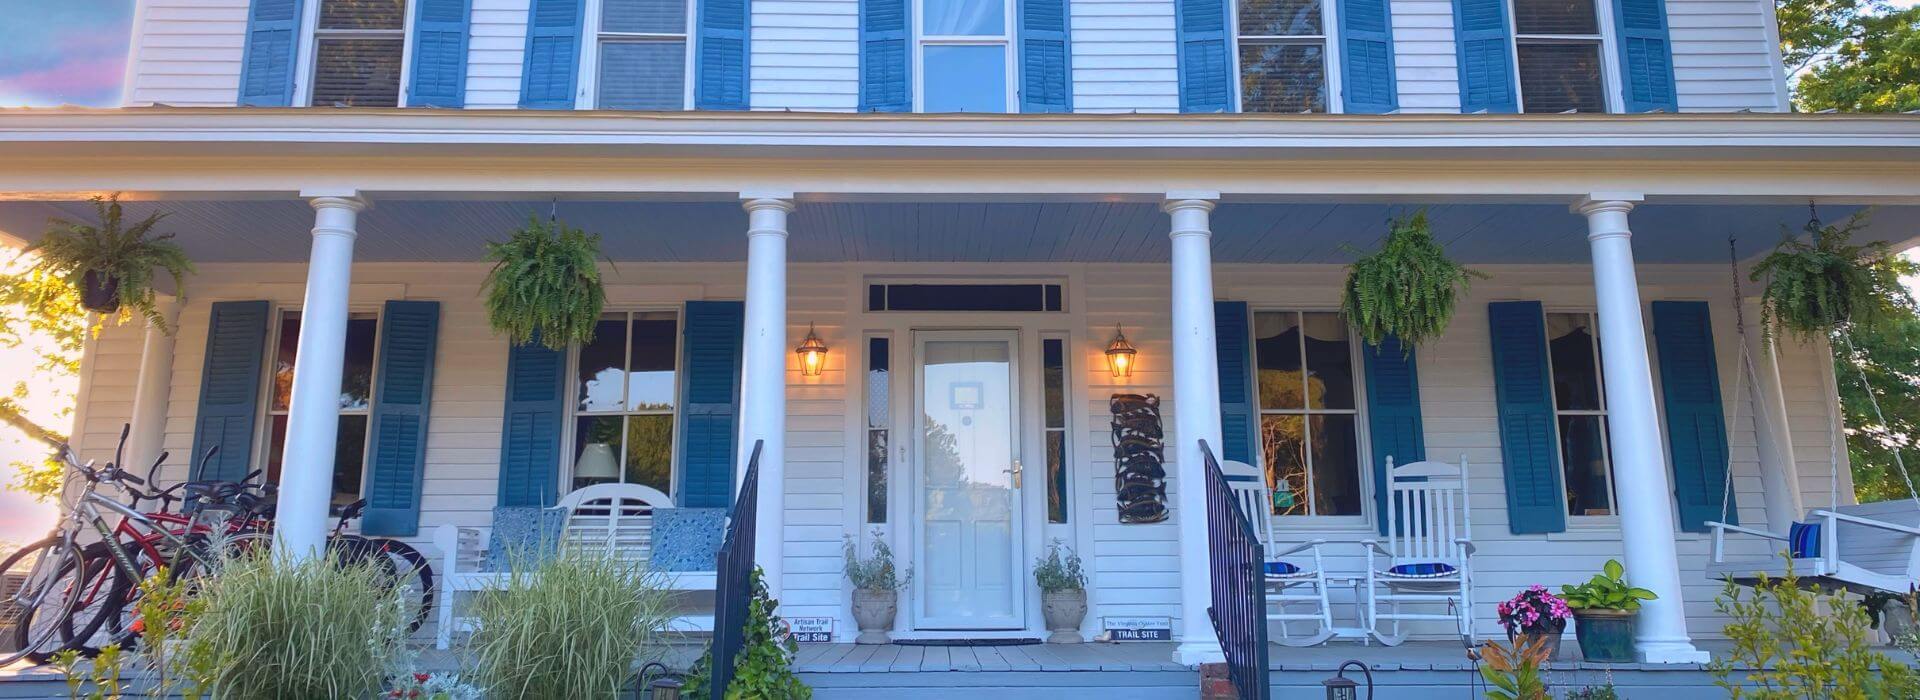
{"points": [[1516, 672], [1795, 643], [1055, 572], [876, 573], [296, 630], [764, 668], [1607, 590], [569, 626]]}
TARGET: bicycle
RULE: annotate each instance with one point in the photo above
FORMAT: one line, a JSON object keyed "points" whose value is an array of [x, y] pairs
{"points": [[407, 567]]}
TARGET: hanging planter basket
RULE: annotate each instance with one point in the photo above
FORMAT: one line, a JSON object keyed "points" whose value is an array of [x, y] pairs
{"points": [[1407, 289], [100, 291], [1824, 284], [545, 284], [110, 265]]}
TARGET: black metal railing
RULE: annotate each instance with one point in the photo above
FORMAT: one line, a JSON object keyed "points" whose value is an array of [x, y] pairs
{"points": [[733, 585], [1239, 610]]}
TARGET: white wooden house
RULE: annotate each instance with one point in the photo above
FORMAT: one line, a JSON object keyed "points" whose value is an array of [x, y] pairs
{"points": [[965, 199]]}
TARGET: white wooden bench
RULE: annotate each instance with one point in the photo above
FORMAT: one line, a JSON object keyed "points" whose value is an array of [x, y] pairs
{"points": [[613, 519], [1864, 548]]}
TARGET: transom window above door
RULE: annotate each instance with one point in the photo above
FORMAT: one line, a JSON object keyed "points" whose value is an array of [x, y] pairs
{"points": [[1283, 55], [625, 389], [642, 54], [1558, 44], [964, 55], [358, 47], [1309, 433]]}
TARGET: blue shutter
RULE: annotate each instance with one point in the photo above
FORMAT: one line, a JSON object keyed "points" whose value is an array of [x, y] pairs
{"points": [[230, 389], [1239, 421], [1485, 52], [1206, 74], [552, 67], [536, 412], [439, 54], [1046, 71], [409, 333], [710, 403], [1646, 55], [720, 71], [1393, 414], [1529, 441], [1366, 55], [884, 69], [266, 69], [1696, 422]]}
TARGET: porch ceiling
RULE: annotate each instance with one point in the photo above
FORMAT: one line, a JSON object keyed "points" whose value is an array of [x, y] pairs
{"points": [[440, 230]]}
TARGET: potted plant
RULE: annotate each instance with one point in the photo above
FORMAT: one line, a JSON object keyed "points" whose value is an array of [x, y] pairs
{"points": [[111, 264], [1536, 613], [545, 284], [1063, 592], [1407, 289], [1603, 607], [876, 589], [1824, 284]]}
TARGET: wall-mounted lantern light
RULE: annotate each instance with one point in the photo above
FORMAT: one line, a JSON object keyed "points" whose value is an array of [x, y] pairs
{"points": [[813, 354], [1120, 354]]}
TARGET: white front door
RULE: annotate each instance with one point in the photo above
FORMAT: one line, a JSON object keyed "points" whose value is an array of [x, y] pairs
{"points": [[966, 496]]}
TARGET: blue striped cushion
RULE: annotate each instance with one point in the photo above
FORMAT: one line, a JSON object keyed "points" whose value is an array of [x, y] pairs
{"points": [[1803, 540], [1422, 570], [1281, 568]]}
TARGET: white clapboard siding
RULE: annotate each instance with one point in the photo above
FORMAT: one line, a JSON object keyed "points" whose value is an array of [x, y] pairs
{"points": [[805, 55], [187, 53], [1425, 59], [496, 50], [1723, 56], [1124, 56]]}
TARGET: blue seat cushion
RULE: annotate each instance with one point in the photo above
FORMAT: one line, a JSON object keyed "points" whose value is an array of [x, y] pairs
{"points": [[687, 539], [524, 535], [1280, 568], [1803, 540], [1421, 570]]}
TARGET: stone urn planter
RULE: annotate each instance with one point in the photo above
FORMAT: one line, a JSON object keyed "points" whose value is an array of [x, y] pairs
{"points": [[873, 611], [1605, 634], [1064, 610]]}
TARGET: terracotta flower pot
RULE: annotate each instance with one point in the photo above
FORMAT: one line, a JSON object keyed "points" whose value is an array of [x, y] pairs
{"points": [[1605, 635], [100, 292], [1063, 611], [873, 610]]}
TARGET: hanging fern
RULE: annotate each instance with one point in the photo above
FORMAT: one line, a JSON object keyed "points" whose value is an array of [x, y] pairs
{"points": [[1824, 284], [545, 284], [127, 254], [1407, 289]]}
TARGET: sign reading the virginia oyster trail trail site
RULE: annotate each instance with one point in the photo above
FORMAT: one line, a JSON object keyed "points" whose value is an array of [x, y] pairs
{"points": [[811, 629], [1138, 629]]}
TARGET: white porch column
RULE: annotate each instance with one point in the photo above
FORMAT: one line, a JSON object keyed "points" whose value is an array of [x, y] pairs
{"points": [[151, 393], [763, 374], [1779, 474], [313, 415], [1196, 414], [1639, 462]]}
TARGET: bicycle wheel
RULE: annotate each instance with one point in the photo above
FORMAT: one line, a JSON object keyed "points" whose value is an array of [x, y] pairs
{"points": [[40, 582], [192, 567], [100, 600], [417, 578]]}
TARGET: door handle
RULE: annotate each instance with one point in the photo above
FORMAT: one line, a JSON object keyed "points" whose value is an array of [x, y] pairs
{"points": [[1015, 471]]}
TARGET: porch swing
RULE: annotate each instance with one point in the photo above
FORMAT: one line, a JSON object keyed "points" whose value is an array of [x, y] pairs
{"points": [[1863, 548]]}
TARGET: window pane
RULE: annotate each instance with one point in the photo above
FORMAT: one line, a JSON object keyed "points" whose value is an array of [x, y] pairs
{"points": [[1576, 381], [966, 79], [1276, 350], [1283, 446], [1282, 78], [644, 16], [876, 476], [356, 377], [1585, 461], [357, 72], [879, 384], [650, 384], [1336, 465], [603, 366], [285, 350], [363, 14], [1329, 362], [1056, 476], [1558, 77], [650, 451], [276, 444], [1279, 17], [965, 17], [646, 75], [964, 297], [349, 456], [1554, 17], [1053, 365], [596, 450]]}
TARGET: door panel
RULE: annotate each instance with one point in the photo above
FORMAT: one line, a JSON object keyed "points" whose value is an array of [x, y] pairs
{"points": [[967, 499]]}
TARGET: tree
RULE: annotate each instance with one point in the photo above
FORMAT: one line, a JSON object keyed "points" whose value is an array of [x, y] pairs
{"points": [[1811, 30], [1875, 68], [1888, 356], [41, 313]]}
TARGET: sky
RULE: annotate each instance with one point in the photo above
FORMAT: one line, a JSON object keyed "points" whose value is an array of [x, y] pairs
{"points": [[56, 52]]}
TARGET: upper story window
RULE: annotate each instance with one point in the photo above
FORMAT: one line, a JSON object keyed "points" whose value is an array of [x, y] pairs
{"points": [[964, 48], [642, 55], [357, 52], [356, 401], [1558, 46], [625, 392], [1309, 432], [1283, 55], [1580, 408]]}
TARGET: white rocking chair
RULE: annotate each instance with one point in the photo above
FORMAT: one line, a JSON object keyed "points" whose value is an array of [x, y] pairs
{"points": [[1428, 554], [1286, 582], [1865, 548]]}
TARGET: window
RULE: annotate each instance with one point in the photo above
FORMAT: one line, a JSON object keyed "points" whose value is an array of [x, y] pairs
{"points": [[879, 417], [1308, 432], [1283, 56], [1580, 407], [1558, 43], [963, 56], [625, 390], [1053, 387], [357, 47], [356, 401], [964, 297], [643, 55]]}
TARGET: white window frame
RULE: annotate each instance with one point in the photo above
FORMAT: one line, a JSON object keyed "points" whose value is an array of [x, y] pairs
{"points": [[1606, 421], [1611, 83], [921, 40], [1328, 38], [263, 440], [306, 65], [573, 413], [593, 39], [1363, 454]]}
